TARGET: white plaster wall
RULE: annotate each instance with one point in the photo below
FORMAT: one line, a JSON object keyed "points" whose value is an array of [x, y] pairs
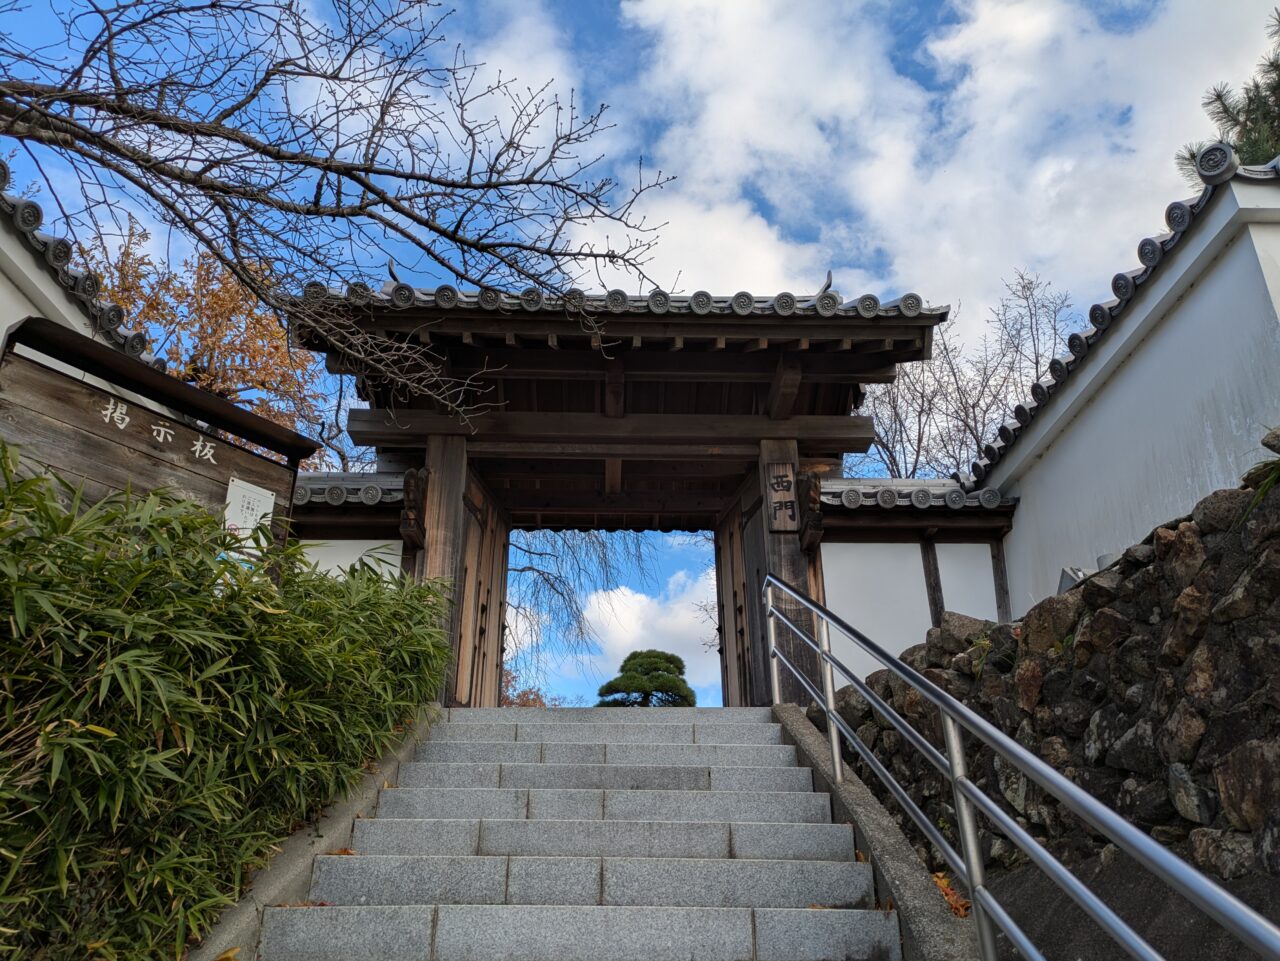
{"points": [[14, 304], [878, 589], [968, 585], [1179, 418], [332, 556]]}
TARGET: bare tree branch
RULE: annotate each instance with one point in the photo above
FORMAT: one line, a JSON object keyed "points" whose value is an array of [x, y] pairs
{"points": [[296, 142], [934, 418]]}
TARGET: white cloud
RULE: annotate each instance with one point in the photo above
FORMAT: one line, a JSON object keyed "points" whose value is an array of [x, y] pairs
{"points": [[800, 145], [626, 620]]}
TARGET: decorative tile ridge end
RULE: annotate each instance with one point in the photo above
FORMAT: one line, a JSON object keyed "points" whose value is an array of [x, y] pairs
{"points": [[337, 489], [83, 286], [890, 493]]}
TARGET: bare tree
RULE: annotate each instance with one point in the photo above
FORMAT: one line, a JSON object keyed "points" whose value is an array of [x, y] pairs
{"points": [[935, 417], [552, 576], [296, 143]]}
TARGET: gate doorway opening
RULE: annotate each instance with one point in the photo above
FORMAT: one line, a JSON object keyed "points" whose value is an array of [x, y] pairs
{"points": [[625, 413], [579, 602]]}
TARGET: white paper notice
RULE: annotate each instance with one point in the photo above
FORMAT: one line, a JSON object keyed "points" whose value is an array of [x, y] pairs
{"points": [[247, 506]]}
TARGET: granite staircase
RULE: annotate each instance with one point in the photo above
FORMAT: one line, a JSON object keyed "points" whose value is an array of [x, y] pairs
{"points": [[594, 834]]}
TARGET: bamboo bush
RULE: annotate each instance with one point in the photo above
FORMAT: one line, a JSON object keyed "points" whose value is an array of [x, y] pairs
{"points": [[174, 702]]}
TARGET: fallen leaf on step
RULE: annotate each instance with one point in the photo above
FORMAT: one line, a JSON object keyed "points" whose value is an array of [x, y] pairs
{"points": [[342, 851], [959, 905]]}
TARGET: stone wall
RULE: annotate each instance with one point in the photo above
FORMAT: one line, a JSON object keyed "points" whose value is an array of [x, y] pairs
{"points": [[1154, 685]]}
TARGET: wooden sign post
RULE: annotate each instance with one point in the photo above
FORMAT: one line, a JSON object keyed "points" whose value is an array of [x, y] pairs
{"points": [[783, 509]]}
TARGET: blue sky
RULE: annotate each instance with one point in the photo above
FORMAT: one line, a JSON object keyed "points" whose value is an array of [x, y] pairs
{"points": [[902, 144]]}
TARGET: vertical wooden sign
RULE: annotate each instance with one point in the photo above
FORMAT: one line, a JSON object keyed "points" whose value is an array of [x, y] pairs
{"points": [[783, 508]]}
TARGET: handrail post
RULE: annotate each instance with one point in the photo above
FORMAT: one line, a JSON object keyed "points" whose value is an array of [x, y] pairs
{"points": [[968, 829], [829, 696], [771, 628]]}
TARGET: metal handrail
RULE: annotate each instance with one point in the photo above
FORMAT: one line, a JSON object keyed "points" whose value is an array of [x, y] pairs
{"points": [[1241, 921]]}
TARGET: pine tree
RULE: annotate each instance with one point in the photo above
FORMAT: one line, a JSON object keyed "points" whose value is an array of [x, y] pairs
{"points": [[1248, 118], [649, 679]]}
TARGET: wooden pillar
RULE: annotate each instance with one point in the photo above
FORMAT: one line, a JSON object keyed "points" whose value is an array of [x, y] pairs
{"points": [[932, 580], [737, 607], [480, 598], [779, 523], [444, 519], [1000, 576]]}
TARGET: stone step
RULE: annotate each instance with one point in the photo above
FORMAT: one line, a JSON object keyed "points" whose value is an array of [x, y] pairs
{"points": [[635, 839], [616, 776], [528, 752], [596, 732], [589, 805], [660, 882], [614, 715], [471, 932]]}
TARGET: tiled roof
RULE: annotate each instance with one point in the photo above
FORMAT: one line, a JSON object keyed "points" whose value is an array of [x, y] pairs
{"points": [[336, 489], [83, 286], [825, 303], [1216, 164], [873, 493]]}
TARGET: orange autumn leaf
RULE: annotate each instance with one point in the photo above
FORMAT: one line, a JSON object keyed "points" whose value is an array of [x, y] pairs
{"points": [[959, 906], [214, 334]]}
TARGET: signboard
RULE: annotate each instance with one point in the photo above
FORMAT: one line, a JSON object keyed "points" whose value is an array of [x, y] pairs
{"points": [[248, 505], [112, 443], [783, 508]]}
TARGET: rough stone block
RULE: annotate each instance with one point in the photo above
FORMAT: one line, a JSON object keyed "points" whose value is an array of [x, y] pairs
{"points": [[620, 776], [604, 733], [449, 774], [478, 752], [598, 838], [413, 836], [709, 755], [543, 933], [684, 882], [369, 879], [737, 734], [553, 880], [379, 933], [475, 732], [789, 934], [761, 779], [787, 807], [452, 803], [567, 752], [566, 805], [779, 842]]}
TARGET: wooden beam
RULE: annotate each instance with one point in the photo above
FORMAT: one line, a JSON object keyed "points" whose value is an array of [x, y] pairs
{"points": [[615, 389], [598, 451], [523, 469], [613, 475], [784, 388], [497, 363], [932, 581], [760, 343], [590, 502], [870, 524], [377, 427]]}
